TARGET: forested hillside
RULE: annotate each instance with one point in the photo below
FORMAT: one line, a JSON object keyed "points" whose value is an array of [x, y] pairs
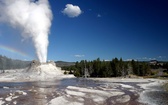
{"points": [[8, 63], [64, 63], [114, 68]]}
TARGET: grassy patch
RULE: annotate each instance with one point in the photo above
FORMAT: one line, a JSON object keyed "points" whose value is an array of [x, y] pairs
{"points": [[164, 76]]}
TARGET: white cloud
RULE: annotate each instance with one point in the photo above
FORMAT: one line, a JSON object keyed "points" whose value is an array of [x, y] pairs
{"points": [[98, 15], [106, 60], [72, 10], [160, 57], [79, 56], [131, 59], [145, 58]]}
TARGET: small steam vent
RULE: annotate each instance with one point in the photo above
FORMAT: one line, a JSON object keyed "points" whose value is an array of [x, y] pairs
{"points": [[35, 63]]}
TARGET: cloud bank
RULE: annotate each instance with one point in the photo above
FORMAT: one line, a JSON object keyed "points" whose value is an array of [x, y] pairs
{"points": [[33, 18], [72, 11]]}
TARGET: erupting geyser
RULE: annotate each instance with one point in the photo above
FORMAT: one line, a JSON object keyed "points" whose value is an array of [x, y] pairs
{"points": [[33, 18]]}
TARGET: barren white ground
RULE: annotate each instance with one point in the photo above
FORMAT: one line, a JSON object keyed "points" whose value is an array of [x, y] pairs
{"points": [[76, 91]]}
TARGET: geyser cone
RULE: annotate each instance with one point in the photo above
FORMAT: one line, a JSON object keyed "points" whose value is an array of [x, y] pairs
{"points": [[44, 69]]}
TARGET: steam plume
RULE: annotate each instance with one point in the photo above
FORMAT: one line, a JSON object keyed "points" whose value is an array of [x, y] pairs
{"points": [[33, 17]]}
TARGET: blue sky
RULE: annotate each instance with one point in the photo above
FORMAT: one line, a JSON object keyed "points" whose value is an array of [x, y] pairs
{"points": [[131, 29]]}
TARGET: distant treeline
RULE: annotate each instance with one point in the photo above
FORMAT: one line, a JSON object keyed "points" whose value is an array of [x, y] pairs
{"points": [[114, 68], [8, 63], [63, 63]]}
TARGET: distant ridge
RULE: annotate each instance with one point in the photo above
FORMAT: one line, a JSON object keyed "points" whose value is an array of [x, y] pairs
{"points": [[64, 63]]}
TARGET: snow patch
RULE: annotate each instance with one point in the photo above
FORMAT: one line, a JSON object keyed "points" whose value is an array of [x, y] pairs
{"points": [[6, 87], [15, 102], [81, 99], [1, 102], [21, 92], [15, 97], [126, 86], [117, 93], [97, 98], [75, 93], [104, 93], [8, 98], [63, 101]]}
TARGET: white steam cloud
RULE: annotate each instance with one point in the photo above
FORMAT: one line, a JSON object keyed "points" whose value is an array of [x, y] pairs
{"points": [[33, 17], [72, 10]]}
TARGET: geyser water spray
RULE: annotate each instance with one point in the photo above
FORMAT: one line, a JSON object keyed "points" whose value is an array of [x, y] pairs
{"points": [[33, 18]]}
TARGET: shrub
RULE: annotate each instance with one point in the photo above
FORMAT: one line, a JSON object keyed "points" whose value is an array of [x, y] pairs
{"points": [[65, 72]]}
